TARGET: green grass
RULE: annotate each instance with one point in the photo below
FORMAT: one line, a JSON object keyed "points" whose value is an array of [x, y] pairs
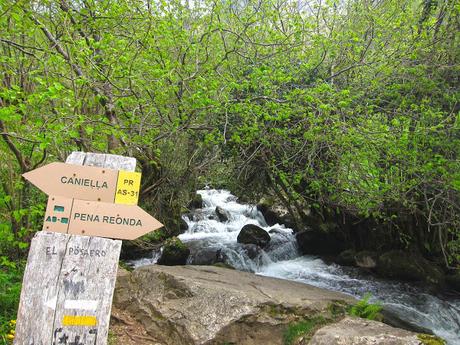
{"points": [[125, 266], [302, 328], [337, 309], [112, 338]]}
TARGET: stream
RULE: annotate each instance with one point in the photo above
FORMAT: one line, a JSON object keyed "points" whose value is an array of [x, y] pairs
{"points": [[207, 237]]}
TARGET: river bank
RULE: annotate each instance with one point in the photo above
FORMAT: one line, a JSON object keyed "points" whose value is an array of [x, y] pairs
{"points": [[206, 305], [209, 238]]}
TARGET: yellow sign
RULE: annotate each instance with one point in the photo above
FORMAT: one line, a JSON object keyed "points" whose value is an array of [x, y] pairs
{"points": [[128, 186], [71, 320]]}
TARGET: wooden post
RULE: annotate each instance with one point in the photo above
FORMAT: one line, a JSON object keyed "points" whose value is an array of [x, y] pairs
{"points": [[69, 280]]}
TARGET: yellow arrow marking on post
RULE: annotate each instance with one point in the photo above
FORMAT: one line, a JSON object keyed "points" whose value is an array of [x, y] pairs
{"points": [[74, 320]]}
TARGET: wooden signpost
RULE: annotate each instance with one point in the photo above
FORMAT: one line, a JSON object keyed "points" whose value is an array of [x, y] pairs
{"points": [[69, 279], [87, 183], [94, 218]]}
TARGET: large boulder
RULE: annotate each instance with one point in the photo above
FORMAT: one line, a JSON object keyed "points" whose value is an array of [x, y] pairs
{"points": [[205, 256], [366, 259], [222, 214], [398, 264], [239, 255], [191, 305], [144, 246], [318, 243], [355, 331], [176, 226], [252, 250], [133, 250], [253, 234], [206, 305], [196, 215], [196, 202], [391, 317], [183, 226], [346, 258], [275, 214], [174, 253], [453, 280]]}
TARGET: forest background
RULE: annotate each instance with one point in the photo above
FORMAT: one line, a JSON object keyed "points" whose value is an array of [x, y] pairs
{"points": [[345, 112]]}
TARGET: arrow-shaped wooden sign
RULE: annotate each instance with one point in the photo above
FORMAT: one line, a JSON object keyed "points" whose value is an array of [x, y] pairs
{"points": [[87, 183], [90, 218], [69, 280]]}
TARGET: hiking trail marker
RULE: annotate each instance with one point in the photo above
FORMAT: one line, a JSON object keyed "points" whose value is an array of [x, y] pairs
{"points": [[69, 279], [87, 183], [94, 218]]}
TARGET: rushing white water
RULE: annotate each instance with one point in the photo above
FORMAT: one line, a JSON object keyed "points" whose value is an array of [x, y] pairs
{"points": [[211, 240]]}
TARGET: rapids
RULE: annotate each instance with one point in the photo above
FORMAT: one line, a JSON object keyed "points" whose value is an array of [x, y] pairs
{"points": [[209, 238]]}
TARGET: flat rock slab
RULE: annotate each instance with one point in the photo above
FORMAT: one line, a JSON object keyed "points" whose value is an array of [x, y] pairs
{"points": [[354, 331], [188, 305]]}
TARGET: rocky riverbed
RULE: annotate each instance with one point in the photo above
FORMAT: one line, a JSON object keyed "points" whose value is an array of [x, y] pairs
{"points": [[191, 305], [215, 234]]}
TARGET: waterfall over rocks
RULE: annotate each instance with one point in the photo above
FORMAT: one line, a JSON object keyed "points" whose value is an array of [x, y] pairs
{"points": [[212, 239]]}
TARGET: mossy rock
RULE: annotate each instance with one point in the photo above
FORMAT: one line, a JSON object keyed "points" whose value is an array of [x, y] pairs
{"points": [[346, 258], [267, 201], [174, 253], [144, 246], [267, 206], [427, 339], [156, 237], [176, 226], [125, 266], [454, 281], [337, 309], [402, 265], [328, 227], [366, 259], [318, 243], [196, 202]]}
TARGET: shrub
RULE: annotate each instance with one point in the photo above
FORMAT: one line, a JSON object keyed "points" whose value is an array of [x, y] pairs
{"points": [[366, 310], [10, 283]]}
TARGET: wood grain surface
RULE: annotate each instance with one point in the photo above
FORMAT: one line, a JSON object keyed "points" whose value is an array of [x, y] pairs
{"points": [[69, 280]]}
